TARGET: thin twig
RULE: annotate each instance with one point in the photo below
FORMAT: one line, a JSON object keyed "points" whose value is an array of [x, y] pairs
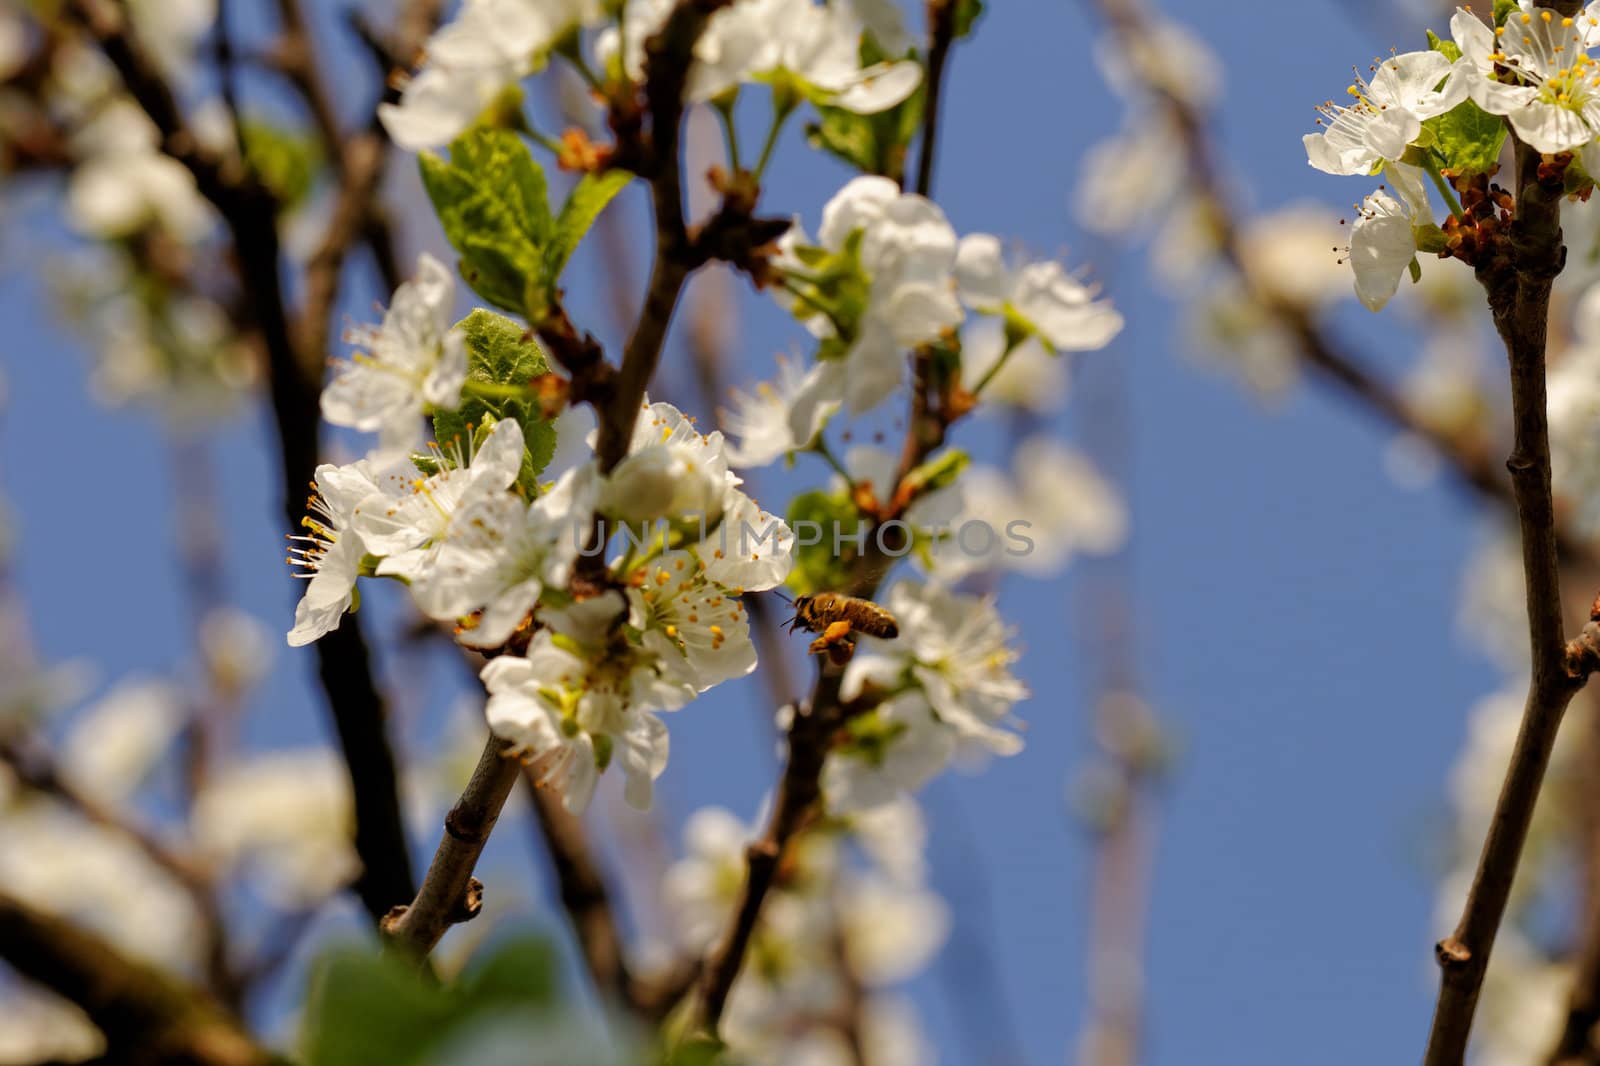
{"points": [[941, 33], [449, 893], [1518, 287], [799, 790]]}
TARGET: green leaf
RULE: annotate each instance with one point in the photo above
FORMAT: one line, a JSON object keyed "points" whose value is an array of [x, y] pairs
{"points": [[697, 1051], [1416, 270], [519, 970], [817, 516], [1503, 10], [499, 352], [364, 1007], [937, 473], [285, 162], [1449, 49], [491, 200], [1467, 139], [873, 144], [588, 198], [966, 17]]}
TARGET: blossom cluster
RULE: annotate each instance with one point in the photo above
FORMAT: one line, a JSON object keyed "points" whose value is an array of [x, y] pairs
{"points": [[803, 50], [1441, 114]]}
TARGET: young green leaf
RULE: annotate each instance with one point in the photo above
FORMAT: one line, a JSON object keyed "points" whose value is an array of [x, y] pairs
{"points": [[499, 352], [584, 204], [1467, 139], [491, 200]]}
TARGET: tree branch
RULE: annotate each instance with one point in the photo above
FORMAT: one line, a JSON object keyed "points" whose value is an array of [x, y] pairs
{"points": [[941, 34], [449, 893], [250, 215], [810, 734], [146, 1015], [1518, 286]]}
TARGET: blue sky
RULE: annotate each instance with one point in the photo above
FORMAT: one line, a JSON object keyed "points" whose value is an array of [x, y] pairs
{"points": [[1295, 609]]}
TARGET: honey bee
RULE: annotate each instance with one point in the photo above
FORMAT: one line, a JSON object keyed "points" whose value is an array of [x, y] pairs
{"points": [[837, 617]]}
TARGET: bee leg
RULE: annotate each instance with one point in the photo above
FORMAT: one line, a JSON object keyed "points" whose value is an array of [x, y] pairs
{"points": [[835, 632], [841, 652]]}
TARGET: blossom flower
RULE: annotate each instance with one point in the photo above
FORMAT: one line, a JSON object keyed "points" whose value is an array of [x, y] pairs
{"points": [[329, 553], [701, 889], [698, 628], [125, 181], [286, 820], [500, 552], [581, 697], [1386, 114], [1059, 310], [413, 361], [101, 879], [39, 1026], [673, 472], [1536, 71], [1054, 505], [484, 50], [1031, 379], [890, 753], [949, 684], [114, 745], [1383, 241], [813, 48], [759, 420], [906, 256], [406, 519]]}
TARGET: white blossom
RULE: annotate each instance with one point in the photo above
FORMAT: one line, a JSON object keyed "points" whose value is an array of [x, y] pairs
{"points": [[485, 49], [815, 48], [1054, 505], [580, 698], [407, 518], [125, 182], [701, 889], [1031, 380], [759, 420], [1061, 311], [413, 361], [329, 553], [39, 1026], [1382, 239], [949, 681], [699, 629], [1386, 114], [1551, 96], [286, 819], [101, 879], [500, 552], [907, 254], [675, 473], [114, 745]]}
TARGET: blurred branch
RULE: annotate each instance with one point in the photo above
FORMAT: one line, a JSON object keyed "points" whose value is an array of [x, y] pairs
{"points": [[1467, 455], [34, 768], [250, 214], [941, 34], [1517, 281], [583, 891], [146, 1015], [587, 901]]}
